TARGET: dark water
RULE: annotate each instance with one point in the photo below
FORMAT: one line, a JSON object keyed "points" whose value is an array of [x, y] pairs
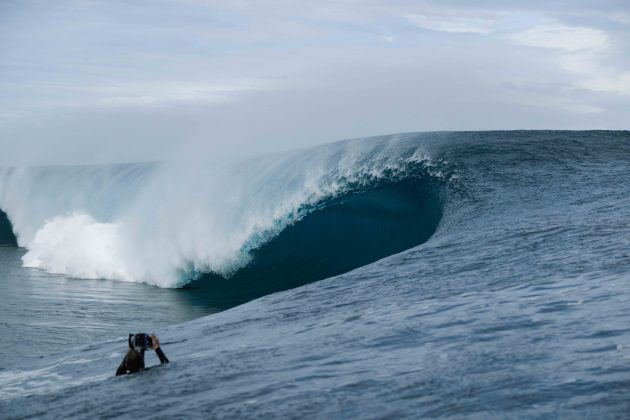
{"points": [[518, 306], [344, 233]]}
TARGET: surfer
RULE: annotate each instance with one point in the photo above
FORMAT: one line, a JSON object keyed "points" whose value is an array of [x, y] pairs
{"points": [[134, 359]]}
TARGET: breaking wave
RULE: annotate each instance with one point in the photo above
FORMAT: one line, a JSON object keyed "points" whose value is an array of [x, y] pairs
{"points": [[241, 228]]}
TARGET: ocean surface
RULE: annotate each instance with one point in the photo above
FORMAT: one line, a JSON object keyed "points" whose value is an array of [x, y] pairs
{"points": [[462, 274]]}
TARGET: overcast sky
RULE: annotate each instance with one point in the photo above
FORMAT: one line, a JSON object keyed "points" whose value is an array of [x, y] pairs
{"points": [[90, 81]]}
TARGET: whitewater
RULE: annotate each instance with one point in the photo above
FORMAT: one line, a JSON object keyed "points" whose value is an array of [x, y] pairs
{"points": [[465, 274]]}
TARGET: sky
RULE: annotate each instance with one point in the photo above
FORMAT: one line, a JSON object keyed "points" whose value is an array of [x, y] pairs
{"points": [[103, 81]]}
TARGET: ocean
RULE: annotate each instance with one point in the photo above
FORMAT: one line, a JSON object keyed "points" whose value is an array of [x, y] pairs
{"points": [[447, 274]]}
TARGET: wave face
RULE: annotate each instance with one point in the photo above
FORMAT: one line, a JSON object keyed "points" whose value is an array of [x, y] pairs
{"points": [[341, 234], [240, 229], [6, 231]]}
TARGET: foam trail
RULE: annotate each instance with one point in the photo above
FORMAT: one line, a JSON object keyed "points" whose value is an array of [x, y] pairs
{"points": [[162, 224]]}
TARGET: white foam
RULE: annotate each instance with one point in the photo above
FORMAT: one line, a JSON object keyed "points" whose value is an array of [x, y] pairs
{"points": [[78, 246]]}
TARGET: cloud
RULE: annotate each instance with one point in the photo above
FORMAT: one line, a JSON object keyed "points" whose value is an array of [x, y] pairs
{"points": [[621, 17], [619, 84], [141, 94], [451, 22], [582, 52], [561, 37], [551, 101], [596, 76], [294, 73]]}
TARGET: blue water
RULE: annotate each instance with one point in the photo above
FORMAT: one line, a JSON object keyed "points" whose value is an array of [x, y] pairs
{"points": [[510, 298]]}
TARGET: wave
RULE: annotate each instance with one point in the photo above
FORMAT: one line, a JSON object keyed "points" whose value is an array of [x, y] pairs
{"points": [[254, 225], [7, 237], [341, 234]]}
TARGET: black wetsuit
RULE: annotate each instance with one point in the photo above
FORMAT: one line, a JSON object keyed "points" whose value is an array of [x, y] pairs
{"points": [[161, 355], [139, 364], [131, 354]]}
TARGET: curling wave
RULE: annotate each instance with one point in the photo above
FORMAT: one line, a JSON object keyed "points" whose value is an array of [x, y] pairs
{"points": [[338, 235], [240, 229]]}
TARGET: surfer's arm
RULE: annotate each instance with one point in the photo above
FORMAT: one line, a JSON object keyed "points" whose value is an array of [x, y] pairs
{"points": [[158, 350], [161, 355]]}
